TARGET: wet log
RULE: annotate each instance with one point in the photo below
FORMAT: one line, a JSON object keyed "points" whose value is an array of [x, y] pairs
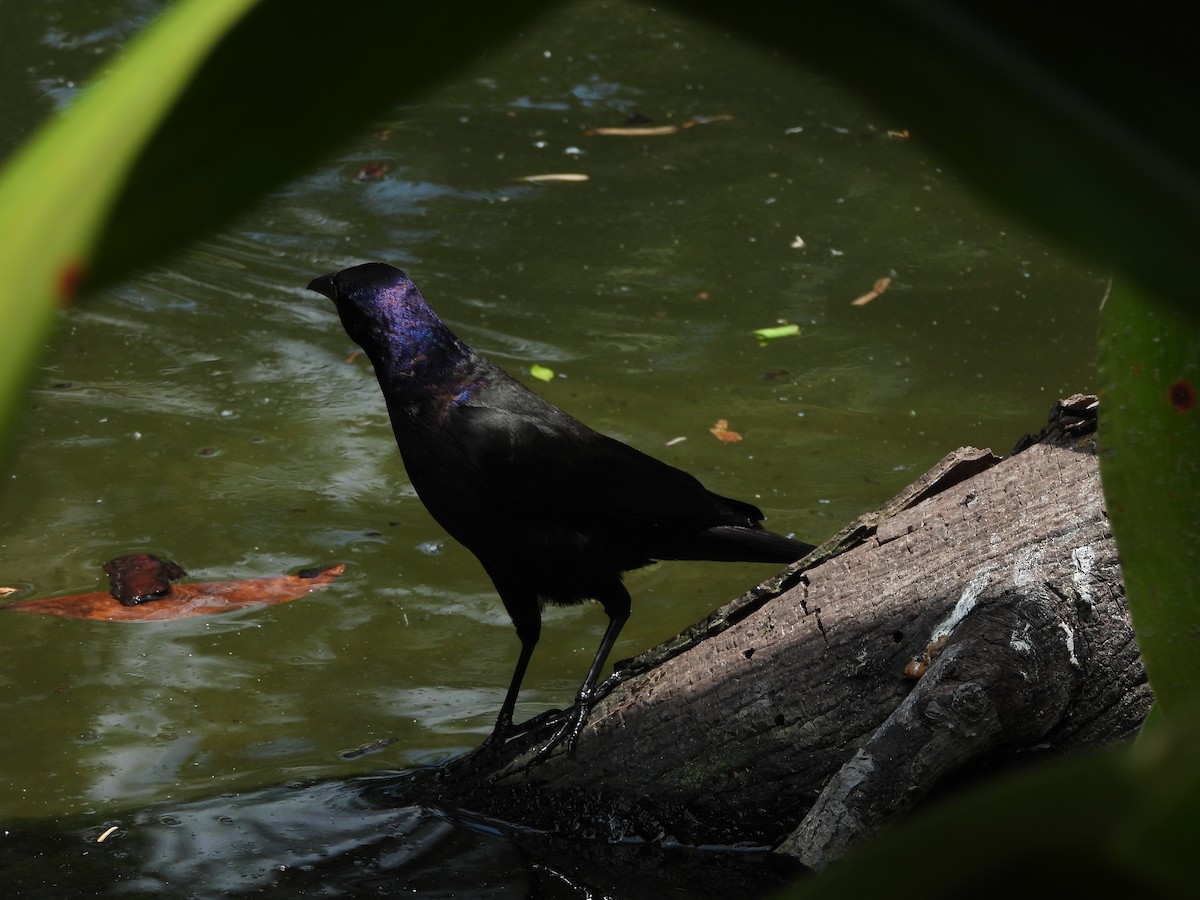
{"points": [[975, 621]]}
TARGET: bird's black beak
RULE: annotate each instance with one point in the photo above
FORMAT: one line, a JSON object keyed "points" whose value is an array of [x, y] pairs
{"points": [[324, 285]]}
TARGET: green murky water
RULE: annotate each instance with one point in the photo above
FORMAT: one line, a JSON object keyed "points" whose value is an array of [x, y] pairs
{"points": [[206, 410]]}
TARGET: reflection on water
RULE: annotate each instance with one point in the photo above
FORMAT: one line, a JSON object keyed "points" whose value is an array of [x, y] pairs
{"points": [[211, 410], [354, 839]]}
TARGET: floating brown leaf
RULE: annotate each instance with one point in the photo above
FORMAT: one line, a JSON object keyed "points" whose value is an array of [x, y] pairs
{"points": [[633, 131], [880, 286], [722, 433], [707, 120], [555, 178], [181, 601], [653, 130], [372, 171], [140, 578]]}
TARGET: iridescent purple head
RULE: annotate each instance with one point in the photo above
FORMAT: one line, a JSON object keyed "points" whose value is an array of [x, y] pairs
{"points": [[384, 313]]}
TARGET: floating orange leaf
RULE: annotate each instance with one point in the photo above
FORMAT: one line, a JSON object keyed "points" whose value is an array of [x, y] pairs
{"points": [[880, 286], [722, 433], [142, 592]]}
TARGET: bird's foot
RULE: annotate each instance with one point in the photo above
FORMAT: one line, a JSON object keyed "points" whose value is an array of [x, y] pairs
{"points": [[506, 731], [492, 744], [568, 731]]}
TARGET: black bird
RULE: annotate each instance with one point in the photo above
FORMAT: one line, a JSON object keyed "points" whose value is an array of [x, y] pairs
{"points": [[553, 510]]}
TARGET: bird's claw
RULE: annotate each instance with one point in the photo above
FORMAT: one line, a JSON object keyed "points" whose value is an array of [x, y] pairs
{"points": [[495, 742], [568, 731]]}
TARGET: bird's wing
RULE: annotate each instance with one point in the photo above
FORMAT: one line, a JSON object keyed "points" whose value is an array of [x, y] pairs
{"points": [[545, 463]]}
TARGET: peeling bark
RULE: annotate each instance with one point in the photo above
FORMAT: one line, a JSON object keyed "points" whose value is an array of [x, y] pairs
{"points": [[786, 716]]}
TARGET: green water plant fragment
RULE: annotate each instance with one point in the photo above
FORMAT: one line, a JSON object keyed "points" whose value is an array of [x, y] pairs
{"points": [[774, 332]]}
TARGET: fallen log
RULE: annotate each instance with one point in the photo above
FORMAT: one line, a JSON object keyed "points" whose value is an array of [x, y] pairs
{"points": [[974, 621]]}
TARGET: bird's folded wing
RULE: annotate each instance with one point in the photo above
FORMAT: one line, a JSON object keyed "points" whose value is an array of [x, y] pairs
{"points": [[554, 466]]}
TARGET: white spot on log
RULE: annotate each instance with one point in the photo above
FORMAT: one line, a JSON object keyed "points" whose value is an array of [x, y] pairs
{"points": [[966, 603], [1026, 567], [1070, 633], [1084, 559]]}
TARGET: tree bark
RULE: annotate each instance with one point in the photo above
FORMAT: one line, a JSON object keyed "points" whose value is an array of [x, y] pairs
{"points": [[975, 620]]}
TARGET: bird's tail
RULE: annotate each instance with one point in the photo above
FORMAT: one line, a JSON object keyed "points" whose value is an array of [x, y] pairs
{"points": [[737, 543]]}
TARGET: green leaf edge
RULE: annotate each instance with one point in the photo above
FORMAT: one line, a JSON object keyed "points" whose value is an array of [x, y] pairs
{"points": [[54, 199]]}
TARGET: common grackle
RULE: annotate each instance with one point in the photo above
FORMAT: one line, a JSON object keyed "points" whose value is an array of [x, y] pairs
{"points": [[553, 510]]}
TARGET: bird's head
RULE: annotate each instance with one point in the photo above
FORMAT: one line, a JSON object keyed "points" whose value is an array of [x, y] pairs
{"points": [[384, 313]]}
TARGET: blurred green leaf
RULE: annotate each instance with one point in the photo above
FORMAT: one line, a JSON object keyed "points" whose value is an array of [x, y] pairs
{"points": [[1152, 725], [75, 207], [1069, 115], [541, 373], [292, 82], [1113, 823], [56, 191], [1150, 463]]}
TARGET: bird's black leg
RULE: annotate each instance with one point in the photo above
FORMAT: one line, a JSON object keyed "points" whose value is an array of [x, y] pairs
{"points": [[526, 615], [504, 723], [617, 605], [587, 692]]}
